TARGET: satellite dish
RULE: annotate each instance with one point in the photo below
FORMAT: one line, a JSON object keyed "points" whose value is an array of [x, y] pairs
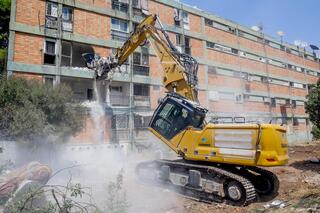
{"points": [[256, 28], [313, 47], [280, 33]]}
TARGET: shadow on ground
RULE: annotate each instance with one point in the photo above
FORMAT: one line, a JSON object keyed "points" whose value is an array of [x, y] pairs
{"points": [[306, 165]]}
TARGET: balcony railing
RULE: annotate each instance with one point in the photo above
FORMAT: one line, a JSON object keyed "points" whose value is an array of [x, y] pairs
{"points": [[141, 101], [119, 36], [119, 100], [120, 135], [140, 70]]}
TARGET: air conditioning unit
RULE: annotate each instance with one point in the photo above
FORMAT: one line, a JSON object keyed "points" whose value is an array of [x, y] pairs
{"points": [[51, 23]]}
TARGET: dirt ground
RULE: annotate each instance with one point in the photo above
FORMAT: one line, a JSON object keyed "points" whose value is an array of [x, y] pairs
{"points": [[299, 186]]}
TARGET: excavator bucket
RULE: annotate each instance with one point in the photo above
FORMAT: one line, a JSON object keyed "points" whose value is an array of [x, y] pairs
{"points": [[103, 66]]}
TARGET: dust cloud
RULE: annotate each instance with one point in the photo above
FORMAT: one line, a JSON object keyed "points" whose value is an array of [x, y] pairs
{"points": [[95, 166]]}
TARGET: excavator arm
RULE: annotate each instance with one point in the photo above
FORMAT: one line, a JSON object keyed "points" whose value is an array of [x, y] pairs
{"points": [[180, 70]]}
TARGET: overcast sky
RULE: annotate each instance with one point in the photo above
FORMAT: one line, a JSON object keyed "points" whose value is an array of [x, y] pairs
{"points": [[298, 19]]}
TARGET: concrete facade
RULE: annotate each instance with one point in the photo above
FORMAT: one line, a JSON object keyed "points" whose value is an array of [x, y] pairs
{"points": [[243, 74]]}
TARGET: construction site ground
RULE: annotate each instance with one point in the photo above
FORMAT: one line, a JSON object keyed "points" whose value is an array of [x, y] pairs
{"points": [[299, 187]]}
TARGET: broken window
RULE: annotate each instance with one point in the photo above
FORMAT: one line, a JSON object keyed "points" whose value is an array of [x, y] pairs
{"points": [[119, 29], [120, 5], [71, 53], [141, 62], [67, 18], [181, 19], [49, 52], [51, 15], [140, 7]]}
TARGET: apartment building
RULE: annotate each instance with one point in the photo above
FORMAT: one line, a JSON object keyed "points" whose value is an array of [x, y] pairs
{"points": [[244, 75]]}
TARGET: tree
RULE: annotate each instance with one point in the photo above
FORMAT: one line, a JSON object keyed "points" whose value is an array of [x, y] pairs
{"points": [[33, 112], [4, 31], [313, 108]]}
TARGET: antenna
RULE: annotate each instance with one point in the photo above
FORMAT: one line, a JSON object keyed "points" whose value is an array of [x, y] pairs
{"points": [[281, 34]]}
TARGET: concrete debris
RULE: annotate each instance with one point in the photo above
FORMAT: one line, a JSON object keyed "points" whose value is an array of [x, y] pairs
{"points": [[276, 204]]}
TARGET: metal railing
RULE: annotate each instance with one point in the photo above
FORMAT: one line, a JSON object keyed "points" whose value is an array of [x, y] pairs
{"points": [[141, 101], [119, 100], [119, 135]]}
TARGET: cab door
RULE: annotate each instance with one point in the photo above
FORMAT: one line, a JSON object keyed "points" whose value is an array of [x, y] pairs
{"points": [[170, 121]]}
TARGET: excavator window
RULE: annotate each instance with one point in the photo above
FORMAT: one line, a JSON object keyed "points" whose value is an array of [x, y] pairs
{"points": [[171, 119]]}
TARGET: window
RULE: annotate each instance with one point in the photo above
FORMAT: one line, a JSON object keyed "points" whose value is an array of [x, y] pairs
{"points": [[141, 62], [120, 121], [66, 53], [49, 52], [187, 46], [295, 122], [119, 29], [226, 96], [210, 44], [171, 120], [120, 5], [71, 53], [183, 44], [140, 7], [141, 90], [181, 19], [52, 9], [141, 121], [297, 85], [117, 24], [51, 15], [67, 18], [179, 39]]}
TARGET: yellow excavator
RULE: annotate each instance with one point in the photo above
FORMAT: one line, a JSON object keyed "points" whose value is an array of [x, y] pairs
{"points": [[217, 162]]}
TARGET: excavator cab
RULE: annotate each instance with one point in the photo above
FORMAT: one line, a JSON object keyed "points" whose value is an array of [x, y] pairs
{"points": [[175, 114]]}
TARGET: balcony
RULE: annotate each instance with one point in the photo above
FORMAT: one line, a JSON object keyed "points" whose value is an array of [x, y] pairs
{"points": [[141, 70], [119, 100], [141, 101]]}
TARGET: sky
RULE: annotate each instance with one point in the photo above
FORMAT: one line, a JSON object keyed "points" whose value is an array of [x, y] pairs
{"points": [[298, 19]]}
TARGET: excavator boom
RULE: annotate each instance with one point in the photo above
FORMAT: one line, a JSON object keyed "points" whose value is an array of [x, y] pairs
{"points": [[180, 70]]}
